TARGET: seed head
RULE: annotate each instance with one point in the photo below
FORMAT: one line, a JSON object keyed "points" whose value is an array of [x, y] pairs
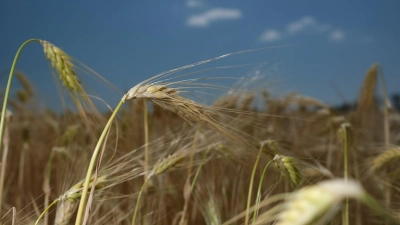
{"points": [[63, 65], [313, 203], [288, 165]]}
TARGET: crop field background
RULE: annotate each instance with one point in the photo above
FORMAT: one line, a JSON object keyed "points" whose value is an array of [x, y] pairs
{"points": [[217, 141]]}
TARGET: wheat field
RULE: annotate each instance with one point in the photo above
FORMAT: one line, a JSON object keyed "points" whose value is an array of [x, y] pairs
{"points": [[164, 157]]}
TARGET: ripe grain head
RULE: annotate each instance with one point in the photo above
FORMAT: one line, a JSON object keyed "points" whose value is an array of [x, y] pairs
{"points": [[63, 64], [68, 202], [318, 203], [383, 159]]}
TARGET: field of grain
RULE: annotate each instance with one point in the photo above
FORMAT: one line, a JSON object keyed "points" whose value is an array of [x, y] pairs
{"points": [[161, 156]]}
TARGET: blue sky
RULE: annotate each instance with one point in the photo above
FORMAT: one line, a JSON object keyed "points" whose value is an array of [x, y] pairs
{"points": [[327, 42]]}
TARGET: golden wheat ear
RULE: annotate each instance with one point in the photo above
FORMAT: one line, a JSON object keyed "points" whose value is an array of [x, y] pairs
{"points": [[318, 203], [68, 202], [385, 158], [62, 63]]}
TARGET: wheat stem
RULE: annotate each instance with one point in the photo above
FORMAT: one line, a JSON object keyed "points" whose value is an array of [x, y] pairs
{"points": [[258, 199], [146, 149], [198, 170], [82, 203], [3, 112], [46, 209], [345, 133], [46, 186], [251, 186], [146, 140], [187, 198], [6, 143], [138, 201]]}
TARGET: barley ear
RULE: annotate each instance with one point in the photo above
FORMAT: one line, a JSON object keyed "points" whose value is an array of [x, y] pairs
{"points": [[63, 65], [27, 92], [366, 102], [66, 71], [166, 164], [65, 211], [160, 167], [69, 201], [288, 165], [318, 203], [383, 159]]}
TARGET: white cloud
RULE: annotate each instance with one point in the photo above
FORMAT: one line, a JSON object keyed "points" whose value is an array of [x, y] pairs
{"points": [[270, 36], [301, 24], [194, 3], [213, 15], [309, 24], [337, 35]]}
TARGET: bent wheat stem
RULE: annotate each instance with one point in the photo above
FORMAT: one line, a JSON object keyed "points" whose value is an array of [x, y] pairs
{"points": [[82, 203], [3, 112], [45, 210], [258, 199], [4, 109]]}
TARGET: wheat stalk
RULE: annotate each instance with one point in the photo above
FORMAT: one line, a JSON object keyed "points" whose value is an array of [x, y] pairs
{"points": [[6, 144]]}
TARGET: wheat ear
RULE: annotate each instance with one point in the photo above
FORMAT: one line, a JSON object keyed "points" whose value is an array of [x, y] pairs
{"points": [[366, 101], [384, 158], [317, 203], [27, 92], [213, 216], [69, 201], [288, 165], [62, 63], [162, 166], [65, 69], [194, 113]]}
